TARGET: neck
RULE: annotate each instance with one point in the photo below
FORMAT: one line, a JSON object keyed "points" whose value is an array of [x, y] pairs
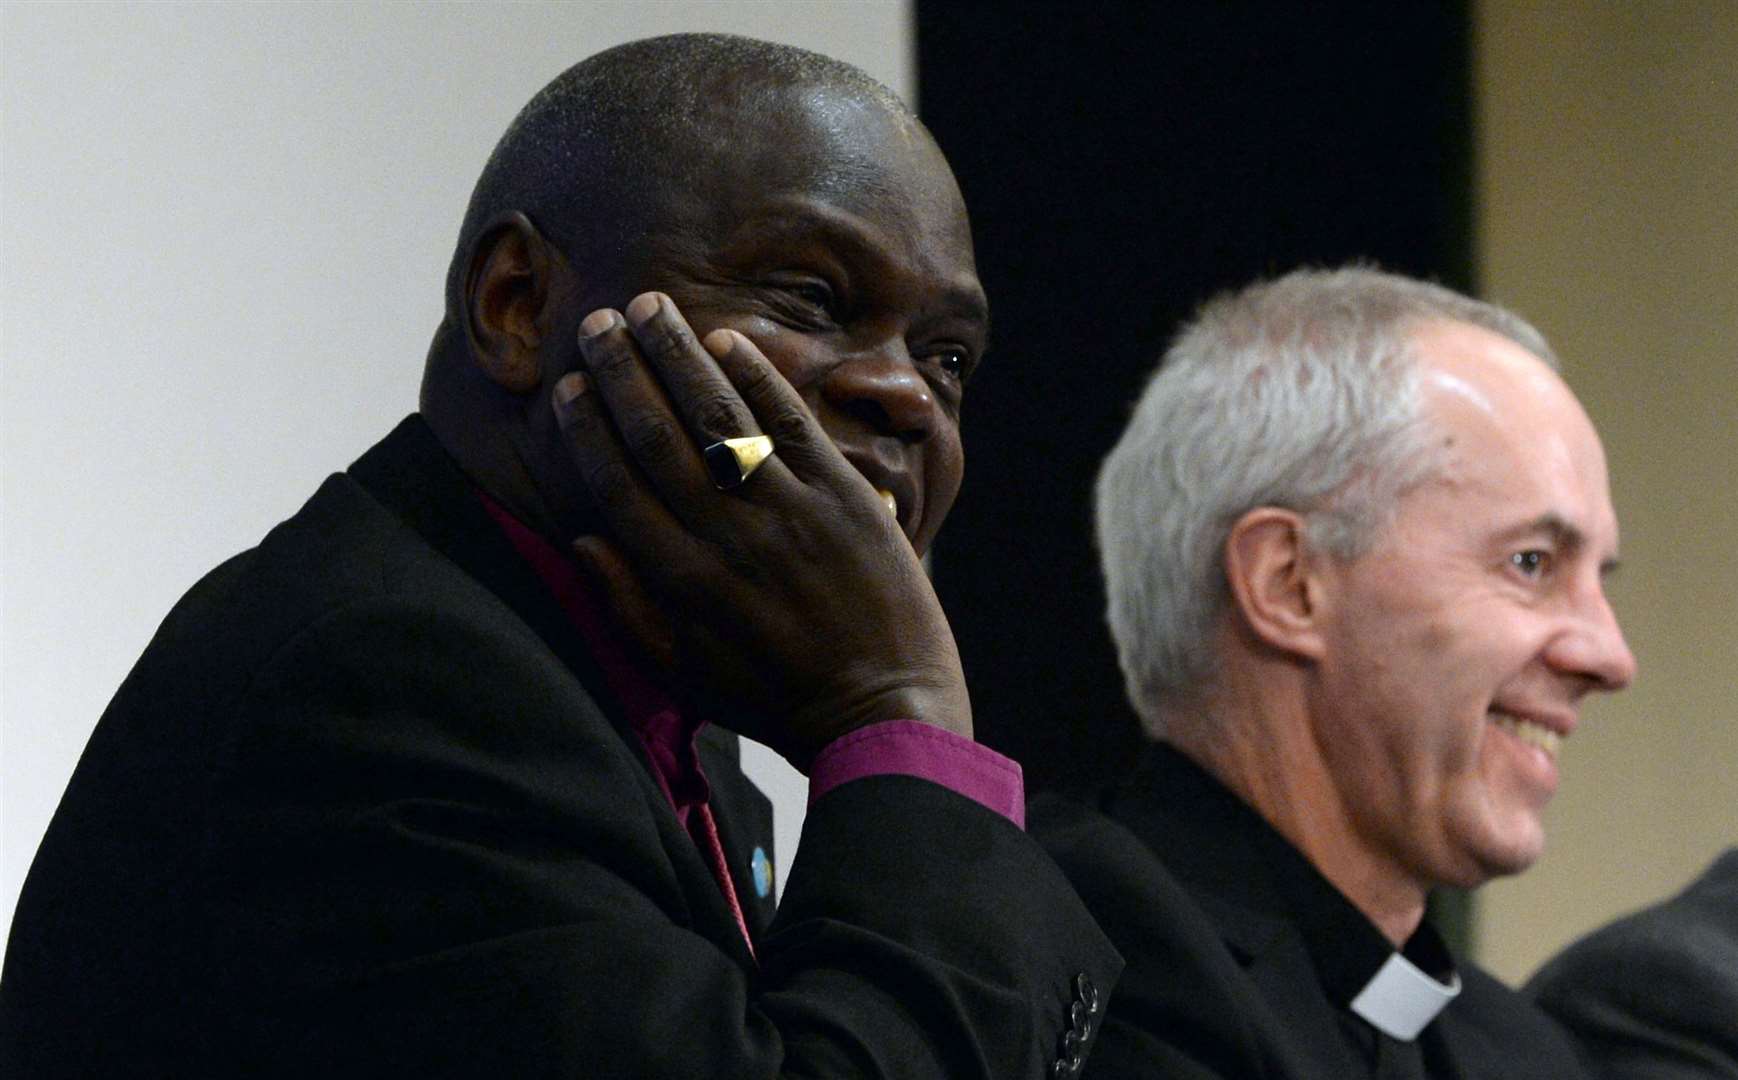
{"points": [[1255, 736], [490, 433]]}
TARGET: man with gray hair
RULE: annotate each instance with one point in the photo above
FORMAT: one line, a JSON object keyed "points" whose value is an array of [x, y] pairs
{"points": [[1354, 540]]}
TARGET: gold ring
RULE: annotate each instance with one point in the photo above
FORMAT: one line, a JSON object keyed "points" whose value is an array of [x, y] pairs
{"points": [[734, 460]]}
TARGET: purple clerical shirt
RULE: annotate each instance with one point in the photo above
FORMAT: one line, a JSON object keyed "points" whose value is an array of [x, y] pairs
{"points": [[903, 747]]}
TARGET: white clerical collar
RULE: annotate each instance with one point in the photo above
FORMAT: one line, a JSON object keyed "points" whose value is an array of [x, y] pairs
{"points": [[1400, 999]]}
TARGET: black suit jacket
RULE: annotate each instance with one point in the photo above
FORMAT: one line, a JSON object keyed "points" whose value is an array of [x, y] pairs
{"points": [[1242, 959], [362, 808], [1655, 996]]}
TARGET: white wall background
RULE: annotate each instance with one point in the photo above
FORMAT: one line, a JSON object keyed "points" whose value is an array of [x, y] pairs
{"points": [[223, 236]]}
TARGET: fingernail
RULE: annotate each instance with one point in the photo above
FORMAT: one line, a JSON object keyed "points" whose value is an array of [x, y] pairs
{"points": [[568, 389], [600, 321], [719, 343], [641, 308]]}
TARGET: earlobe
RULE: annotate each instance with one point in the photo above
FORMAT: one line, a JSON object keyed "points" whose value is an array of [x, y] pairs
{"points": [[1267, 566], [507, 291]]}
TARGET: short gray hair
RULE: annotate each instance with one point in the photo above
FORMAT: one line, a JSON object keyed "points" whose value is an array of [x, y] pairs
{"points": [[1301, 393]]}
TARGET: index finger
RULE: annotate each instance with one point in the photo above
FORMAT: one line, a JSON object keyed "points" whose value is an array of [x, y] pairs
{"points": [[725, 387], [646, 414], [781, 412], [702, 396]]}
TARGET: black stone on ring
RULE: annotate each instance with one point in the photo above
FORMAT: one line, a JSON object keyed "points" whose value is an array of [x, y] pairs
{"points": [[734, 460]]}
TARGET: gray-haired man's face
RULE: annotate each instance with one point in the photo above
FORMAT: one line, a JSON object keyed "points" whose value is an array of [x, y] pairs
{"points": [[1456, 652]]}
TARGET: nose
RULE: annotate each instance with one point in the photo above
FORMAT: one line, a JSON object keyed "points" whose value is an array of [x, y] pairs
{"points": [[883, 389], [1594, 647]]}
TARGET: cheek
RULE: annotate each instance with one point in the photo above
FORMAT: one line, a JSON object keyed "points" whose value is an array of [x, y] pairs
{"points": [[1408, 638], [1398, 677], [1453, 691], [787, 351], [946, 467], [943, 469]]}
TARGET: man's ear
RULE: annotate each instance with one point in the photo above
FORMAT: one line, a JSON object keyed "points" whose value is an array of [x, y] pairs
{"points": [[508, 289], [1273, 588]]}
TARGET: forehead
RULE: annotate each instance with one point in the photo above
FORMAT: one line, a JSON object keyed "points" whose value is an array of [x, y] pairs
{"points": [[1516, 445], [843, 153]]}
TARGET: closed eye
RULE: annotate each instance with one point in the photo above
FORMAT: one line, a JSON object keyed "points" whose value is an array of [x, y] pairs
{"points": [[815, 293], [801, 301], [801, 288]]}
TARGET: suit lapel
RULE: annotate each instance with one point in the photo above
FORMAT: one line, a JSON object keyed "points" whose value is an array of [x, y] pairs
{"points": [[410, 473], [1242, 875]]}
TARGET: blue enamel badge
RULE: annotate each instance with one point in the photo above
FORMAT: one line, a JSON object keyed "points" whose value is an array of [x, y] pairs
{"points": [[762, 872]]}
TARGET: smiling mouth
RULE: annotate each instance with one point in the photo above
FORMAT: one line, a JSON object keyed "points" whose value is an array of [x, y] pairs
{"points": [[1527, 731], [894, 485]]}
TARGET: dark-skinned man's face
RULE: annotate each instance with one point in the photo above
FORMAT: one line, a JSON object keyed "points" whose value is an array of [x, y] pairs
{"points": [[832, 235]]}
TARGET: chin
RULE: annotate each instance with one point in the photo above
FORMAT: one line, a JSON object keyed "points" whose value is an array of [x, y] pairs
{"points": [[1494, 849], [1521, 849]]}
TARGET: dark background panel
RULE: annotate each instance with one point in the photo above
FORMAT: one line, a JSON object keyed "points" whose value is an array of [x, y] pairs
{"points": [[1122, 163]]}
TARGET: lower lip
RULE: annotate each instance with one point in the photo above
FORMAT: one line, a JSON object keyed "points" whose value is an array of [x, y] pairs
{"points": [[1538, 766]]}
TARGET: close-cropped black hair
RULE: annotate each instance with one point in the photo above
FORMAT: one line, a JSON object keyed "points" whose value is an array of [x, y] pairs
{"points": [[614, 130]]}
